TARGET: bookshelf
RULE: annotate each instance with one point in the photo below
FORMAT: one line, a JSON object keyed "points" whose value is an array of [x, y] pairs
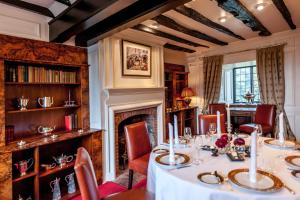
{"points": [[40, 69]]}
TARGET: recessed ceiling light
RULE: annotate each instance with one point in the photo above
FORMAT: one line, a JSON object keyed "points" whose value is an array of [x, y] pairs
{"points": [[260, 6], [223, 19], [154, 25]]}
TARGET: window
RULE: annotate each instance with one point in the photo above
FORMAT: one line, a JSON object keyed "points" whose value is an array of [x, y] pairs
{"points": [[245, 80], [237, 80]]}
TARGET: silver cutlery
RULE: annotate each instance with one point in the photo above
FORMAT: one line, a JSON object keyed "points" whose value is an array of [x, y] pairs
{"points": [[180, 167], [289, 189]]}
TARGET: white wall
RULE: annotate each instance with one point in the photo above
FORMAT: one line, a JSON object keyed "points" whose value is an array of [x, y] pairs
{"points": [[175, 57], [22, 23], [292, 66]]}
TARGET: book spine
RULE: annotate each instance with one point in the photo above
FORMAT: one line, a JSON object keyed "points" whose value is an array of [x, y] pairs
{"points": [[68, 123]]}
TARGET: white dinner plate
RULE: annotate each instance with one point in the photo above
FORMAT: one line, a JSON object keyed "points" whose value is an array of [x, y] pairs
{"points": [[293, 161], [180, 159], [210, 178]]}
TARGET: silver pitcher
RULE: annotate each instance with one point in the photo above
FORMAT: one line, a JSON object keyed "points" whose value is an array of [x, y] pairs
{"points": [[22, 103], [71, 183], [45, 130], [56, 194], [45, 102]]}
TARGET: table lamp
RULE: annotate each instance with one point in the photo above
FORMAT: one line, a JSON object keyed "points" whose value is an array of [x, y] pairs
{"points": [[187, 93]]}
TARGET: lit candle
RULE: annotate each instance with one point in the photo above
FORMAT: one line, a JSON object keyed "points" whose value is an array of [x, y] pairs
{"points": [[171, 148], [176, 130], [252, 169], [218, 125], [228, 118]]}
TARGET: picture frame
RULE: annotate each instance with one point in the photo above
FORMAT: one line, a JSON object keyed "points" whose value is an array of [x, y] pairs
{"points": [[136, 59]]}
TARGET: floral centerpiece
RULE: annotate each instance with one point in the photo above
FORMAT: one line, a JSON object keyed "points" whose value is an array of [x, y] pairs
{"points": [[239, 144], [223, 143]]}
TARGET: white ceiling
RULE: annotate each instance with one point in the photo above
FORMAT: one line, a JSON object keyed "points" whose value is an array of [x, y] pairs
{"points": [[44, 3], [270, 17]]}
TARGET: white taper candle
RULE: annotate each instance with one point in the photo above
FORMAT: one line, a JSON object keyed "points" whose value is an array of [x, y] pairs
{"points": [[171, 148], [253, 159], [218, 124], [176, 130]]}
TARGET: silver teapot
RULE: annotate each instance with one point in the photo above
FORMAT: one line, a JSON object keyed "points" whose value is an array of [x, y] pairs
{"points": [[62, 160], [45, 130]]}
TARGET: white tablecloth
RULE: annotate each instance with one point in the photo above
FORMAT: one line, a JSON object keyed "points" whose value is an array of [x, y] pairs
{"points": [[182, 184]]}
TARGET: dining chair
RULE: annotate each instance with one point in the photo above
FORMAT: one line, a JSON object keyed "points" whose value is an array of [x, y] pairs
{"points": [[138, 149], [206, 120], [89, 188], [264, 116], [214, 107]]}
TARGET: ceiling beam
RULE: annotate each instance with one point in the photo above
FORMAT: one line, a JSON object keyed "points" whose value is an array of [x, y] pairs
{"points": [[65, 2], [69, 22], [239, 11], [146, 29], [170, 23], [280, 5], [178, 48], [29, 6], [130, 16], [193, 14]]}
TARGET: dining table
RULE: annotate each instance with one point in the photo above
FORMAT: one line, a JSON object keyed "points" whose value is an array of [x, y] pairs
{"points": [[182, 183]]}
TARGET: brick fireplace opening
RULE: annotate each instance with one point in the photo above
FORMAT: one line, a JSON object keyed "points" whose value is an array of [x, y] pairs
{"points": [[122, 119]]}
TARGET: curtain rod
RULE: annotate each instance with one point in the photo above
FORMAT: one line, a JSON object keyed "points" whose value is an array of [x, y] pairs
{"points": [[233, 52]]}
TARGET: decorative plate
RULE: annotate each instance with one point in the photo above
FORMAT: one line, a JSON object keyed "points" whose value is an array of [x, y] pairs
{"points": [[160, 151], [277, 144], [210, 178], [180, 159], [293, 161], [266, 182]]}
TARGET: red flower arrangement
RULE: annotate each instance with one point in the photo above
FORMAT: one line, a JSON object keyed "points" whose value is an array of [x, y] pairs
{"points": [[239, 142], [223, 141]]}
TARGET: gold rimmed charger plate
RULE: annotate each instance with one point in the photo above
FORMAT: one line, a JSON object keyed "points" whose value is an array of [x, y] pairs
{"points": [[180, 159], [291, 161], [288, 144], [266, 182], [160, 151]]}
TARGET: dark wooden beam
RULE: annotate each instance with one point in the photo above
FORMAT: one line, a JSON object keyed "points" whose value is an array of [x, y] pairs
{"points": [[146, 29], [130, 16], [193, 14], [170, 23], [67, 23], [65, 2], [178, 48], [239, 11], [29, 6], [280, 5]]}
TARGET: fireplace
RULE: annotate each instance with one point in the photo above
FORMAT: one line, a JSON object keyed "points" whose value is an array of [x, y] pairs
{"points": [[124, 106], [149, 115]]}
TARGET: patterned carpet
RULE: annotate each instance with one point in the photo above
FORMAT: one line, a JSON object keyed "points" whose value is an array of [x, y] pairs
{"points": [[123, 178]]}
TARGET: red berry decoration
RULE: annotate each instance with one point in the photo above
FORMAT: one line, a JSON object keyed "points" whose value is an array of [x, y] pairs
{"points": [[221, 143], [239, 142]]}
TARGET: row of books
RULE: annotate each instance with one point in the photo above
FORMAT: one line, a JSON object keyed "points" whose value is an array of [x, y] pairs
{"points": [[29, 74], [71, 122]]}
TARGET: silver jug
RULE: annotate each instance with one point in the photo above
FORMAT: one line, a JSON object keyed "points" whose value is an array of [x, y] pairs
{"points": [[22, 103], [45, 102], [62, 160], [71, 183], [56, 194]]}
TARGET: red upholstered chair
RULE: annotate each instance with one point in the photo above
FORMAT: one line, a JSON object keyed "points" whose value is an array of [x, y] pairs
{"points": [[205, 120], [214, 107], [87, 182], [265, 116], [138, 149]]}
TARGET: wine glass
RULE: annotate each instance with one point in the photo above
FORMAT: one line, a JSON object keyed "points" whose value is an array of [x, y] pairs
{"points": [[187, 133], [212, 128]]}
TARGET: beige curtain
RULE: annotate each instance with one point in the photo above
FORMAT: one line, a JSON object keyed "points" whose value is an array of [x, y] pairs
{"points": [[270, 70], [212, 69]]}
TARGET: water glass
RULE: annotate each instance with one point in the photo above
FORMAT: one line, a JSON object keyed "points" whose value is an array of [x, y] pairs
{"points": [[212, 128], [187, 133]]}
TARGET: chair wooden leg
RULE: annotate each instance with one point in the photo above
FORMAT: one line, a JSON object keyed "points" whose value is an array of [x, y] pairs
{"points": [[130, 179]]}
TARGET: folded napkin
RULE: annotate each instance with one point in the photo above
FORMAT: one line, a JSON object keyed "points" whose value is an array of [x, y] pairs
{"points": [[171, 148], [176, 130], [253, 159], [218, 125], [281, 130]]}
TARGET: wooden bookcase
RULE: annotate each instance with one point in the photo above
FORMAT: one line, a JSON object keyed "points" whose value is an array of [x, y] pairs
{"points": [[42, 56]]}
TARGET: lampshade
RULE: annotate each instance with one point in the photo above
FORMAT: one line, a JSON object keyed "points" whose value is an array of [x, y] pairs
{"points": [[187, 92]]}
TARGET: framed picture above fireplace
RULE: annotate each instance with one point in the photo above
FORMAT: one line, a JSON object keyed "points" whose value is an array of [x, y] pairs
{"points": [[136, 59]]}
